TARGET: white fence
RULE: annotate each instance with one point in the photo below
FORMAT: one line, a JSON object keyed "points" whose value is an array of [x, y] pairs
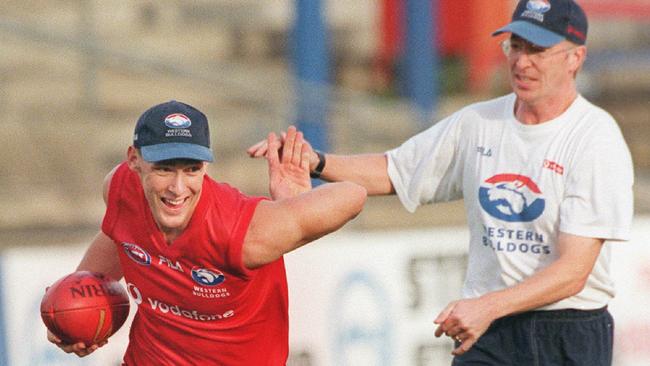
{"points": [[355, 299]]}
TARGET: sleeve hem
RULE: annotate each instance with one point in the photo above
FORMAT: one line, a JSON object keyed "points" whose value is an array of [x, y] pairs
{"points": [[399, 187], [241, 229], [112, 206]]}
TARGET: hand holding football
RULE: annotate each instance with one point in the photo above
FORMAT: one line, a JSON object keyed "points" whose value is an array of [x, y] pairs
{"points": [[84, 307]]}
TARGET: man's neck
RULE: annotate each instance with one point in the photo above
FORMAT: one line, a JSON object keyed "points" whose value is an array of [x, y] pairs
{"points": [[537, 112], [170, 236]]}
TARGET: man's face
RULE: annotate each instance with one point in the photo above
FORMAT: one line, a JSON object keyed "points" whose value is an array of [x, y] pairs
{"points": [[172, 189], [540, 73]]}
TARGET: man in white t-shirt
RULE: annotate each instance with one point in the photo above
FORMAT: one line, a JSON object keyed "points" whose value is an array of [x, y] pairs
{"points": [[546, 177]]}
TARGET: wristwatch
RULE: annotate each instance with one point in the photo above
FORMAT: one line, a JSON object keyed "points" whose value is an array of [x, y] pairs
{"points": [[321, 165]]}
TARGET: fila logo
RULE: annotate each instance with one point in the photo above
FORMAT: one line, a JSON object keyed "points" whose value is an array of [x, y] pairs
{"points": [[484, 151], [553, 166], [175, 266]]}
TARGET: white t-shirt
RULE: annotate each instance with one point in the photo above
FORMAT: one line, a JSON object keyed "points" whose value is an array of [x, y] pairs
{"points": [[522, 185]]}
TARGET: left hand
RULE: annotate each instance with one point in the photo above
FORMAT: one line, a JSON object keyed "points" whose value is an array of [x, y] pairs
{"points": [[80, 349], [288, 168], [464, 321]]}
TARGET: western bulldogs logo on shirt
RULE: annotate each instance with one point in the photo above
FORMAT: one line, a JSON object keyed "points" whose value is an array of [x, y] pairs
{"points": [[511, 198], [137, 254], [177, 120], [207, 277]]}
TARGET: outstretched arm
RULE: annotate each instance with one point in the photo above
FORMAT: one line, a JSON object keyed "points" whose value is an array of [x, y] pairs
{"points": [[297, 215], [367, 170]]}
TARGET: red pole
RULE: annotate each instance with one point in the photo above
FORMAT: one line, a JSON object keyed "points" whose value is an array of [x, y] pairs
{"points": [[483, 52], [390, 40]]}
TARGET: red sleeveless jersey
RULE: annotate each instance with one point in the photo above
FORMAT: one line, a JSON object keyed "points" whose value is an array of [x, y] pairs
{"points": [[197, 303]]}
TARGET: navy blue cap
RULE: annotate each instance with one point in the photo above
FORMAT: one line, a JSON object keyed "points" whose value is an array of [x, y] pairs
{"points": [[173, 130], [546, 23]]}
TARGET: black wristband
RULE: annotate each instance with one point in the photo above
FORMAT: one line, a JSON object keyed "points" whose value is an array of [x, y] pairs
{"points": [[321, 165]]}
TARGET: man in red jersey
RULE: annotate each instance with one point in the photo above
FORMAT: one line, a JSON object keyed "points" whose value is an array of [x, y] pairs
{"points": [[203, 261]]}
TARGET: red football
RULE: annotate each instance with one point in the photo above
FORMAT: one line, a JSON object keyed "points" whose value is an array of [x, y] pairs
{"points": [[84, 307]]}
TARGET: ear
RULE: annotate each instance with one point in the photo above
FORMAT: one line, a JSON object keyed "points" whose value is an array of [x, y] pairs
{"points": [[577, 57], [133, 158]]}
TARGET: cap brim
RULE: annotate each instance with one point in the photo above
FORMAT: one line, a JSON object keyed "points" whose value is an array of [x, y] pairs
{"points": [[175, 150], [532, 33]]}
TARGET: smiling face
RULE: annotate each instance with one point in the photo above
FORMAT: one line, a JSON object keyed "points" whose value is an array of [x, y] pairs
{"points": [[172, 189]]}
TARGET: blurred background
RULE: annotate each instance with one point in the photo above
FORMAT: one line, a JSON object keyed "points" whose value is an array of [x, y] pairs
{"points": [[356, 76]]}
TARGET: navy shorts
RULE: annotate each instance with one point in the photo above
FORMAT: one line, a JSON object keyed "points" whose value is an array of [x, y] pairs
{"points": [[545, 338]]}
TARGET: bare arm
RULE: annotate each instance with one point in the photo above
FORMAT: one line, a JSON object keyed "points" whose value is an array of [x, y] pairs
{"points": [[367, 170], [279, 227], [567, 276], [298, 214], [101, 256]]}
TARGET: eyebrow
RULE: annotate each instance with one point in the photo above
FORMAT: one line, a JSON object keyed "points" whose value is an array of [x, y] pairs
{"points": [[528, 44]]}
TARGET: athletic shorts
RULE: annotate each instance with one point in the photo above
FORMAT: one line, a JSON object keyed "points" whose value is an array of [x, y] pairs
{"points": [[545, 338]]}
